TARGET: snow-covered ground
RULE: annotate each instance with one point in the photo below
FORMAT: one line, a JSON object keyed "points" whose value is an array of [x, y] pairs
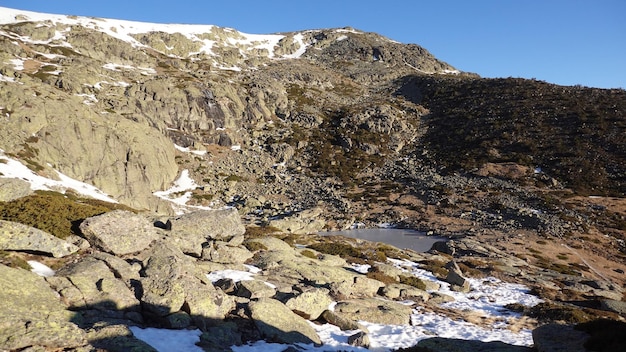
{"points": [[12, 168], [487, 299]]}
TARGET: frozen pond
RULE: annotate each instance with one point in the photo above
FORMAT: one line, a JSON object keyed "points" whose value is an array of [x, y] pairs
{"points": [[401, 238]]}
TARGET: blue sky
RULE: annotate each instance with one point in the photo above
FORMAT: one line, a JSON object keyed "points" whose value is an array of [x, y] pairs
{"points": [[559, 41]]}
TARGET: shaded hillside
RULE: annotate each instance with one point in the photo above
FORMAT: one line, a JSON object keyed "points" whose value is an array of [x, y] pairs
{"points": [[575, 134]]}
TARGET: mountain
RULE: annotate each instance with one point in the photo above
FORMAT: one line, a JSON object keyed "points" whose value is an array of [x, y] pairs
{"points": [[359, 127], [131, 89], [306, 131]]}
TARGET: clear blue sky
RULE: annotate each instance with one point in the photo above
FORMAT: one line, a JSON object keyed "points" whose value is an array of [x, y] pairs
{"points": [[560, 41]]}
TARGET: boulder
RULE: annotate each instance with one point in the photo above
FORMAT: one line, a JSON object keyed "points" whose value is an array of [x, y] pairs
{"points": [[443, 247], [32, 314], [304, 222], [98, 287], [253, 289], [119, 267], [206, 305], [163, 291], [388, 270], [222, 224], [221, 252], [272, 243], [438, 298], [13, 188], [288, 263], [173, 283], [277, 323], [441, 344], [342, 322], [559, 338], [221, 337], [310, 304], [19, 237], [116, 338], [455, 278], [402, 291], [356, 286], [119, 232], [374, 311], [612, 305]]}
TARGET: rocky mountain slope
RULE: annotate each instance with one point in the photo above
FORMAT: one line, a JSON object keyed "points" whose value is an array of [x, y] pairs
{"points": [[300, 132]]}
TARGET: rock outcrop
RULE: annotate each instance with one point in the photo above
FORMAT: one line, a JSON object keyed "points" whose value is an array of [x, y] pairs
{"points": [[19, 237], [119, 232]]}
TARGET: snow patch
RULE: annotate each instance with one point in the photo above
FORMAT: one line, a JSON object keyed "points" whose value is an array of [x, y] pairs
{"points": [[40, 269], [180, 193], [11, 168], [18, 64], [188, 150], [298, 38], [4, 78]]}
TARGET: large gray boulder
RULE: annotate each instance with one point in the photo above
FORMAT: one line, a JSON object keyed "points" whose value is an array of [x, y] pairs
{"points": [[374, 310], [203, 225], [441, 344], [356, 286], [97, 285], [559, 338], [402, 291], [310, 304], [304, 222], [119, 232], [278, 323], [172, 283], [33, 315], [19, 237], [253, 289], [13, 188], [163, 291], [222, 252], [343, 283]]}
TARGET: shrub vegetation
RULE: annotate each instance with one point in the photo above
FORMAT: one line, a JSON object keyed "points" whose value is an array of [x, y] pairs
{"points": [[56, 213]]}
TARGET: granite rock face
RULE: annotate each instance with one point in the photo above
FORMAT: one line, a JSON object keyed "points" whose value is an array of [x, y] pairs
{"points": [[33, 314]]}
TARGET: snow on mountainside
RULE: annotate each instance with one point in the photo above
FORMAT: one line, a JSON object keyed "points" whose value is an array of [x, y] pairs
{"points": [[127, 31], [205, 38]]}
